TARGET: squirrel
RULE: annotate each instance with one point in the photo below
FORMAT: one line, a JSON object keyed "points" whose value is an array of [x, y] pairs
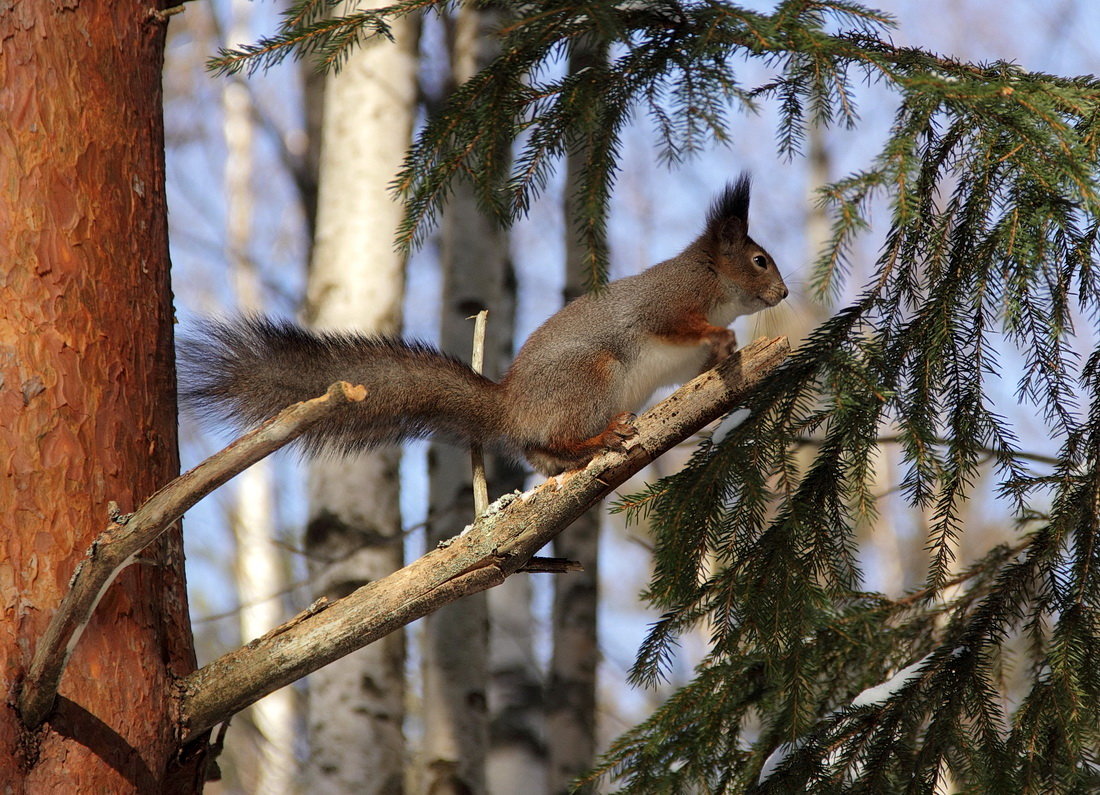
{"points": [[568, 396]]}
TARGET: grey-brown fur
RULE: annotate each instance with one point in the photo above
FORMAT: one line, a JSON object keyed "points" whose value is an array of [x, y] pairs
{"points": [[245, 370], [567, 396]]}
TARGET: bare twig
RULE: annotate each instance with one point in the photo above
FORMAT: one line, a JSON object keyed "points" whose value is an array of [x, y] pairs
{"points": [[502, 540], [550, 566], [477, 457], [962, 577], [125, 536], [236, 611]]}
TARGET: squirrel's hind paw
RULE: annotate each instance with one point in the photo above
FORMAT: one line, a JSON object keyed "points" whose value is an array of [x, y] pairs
{"points": [[618, 430]]}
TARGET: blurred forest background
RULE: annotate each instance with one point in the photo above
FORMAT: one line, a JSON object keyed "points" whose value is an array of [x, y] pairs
{"points": [[243, 162]]}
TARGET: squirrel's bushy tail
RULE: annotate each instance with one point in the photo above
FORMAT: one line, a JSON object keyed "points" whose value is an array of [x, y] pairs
{"points": [[244, 371]]}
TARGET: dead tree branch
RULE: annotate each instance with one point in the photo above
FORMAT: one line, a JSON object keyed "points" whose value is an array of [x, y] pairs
{"points": [[118, 546], [500, 542]]}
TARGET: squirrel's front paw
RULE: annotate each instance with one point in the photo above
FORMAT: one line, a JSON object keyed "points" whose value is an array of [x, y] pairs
{"points": [[722, 346], [619, 430]]}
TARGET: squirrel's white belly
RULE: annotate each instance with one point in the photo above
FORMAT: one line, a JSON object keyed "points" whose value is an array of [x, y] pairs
{"points": [[659, 364], [723, 314]]}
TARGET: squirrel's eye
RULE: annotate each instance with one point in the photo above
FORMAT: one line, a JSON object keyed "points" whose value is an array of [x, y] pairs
{"points": [[760, 261]]}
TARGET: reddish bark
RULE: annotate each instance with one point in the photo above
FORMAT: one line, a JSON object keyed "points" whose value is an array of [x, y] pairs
{"points": [[87, 399]]}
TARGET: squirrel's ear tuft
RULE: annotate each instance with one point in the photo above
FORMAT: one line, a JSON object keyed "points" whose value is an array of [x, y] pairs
{"points": [[733, 202], [728, 219]]}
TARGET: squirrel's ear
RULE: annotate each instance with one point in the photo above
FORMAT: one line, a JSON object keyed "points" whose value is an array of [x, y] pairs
{"points": [[728, 219]]}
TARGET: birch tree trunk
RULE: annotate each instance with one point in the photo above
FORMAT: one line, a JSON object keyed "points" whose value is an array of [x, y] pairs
{"points": [[475, 266], [87, 397], [356, 705], [571, 684], [517, 728], [516, 758], [880, 535], [260, 572]]}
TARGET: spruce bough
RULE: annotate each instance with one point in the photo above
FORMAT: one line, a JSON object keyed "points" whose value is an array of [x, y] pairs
{"points": [[990, 176]]}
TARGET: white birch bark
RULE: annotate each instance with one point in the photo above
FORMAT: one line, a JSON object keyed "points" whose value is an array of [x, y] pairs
{"points": [[260, 569], [889, 571], [354, 533], [516, 760], [571, 682], [517, 745], [475, 265]]}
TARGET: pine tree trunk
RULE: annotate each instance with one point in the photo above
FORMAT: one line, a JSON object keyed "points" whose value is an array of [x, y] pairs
{"points": [[354, 532], [87, 398]]}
